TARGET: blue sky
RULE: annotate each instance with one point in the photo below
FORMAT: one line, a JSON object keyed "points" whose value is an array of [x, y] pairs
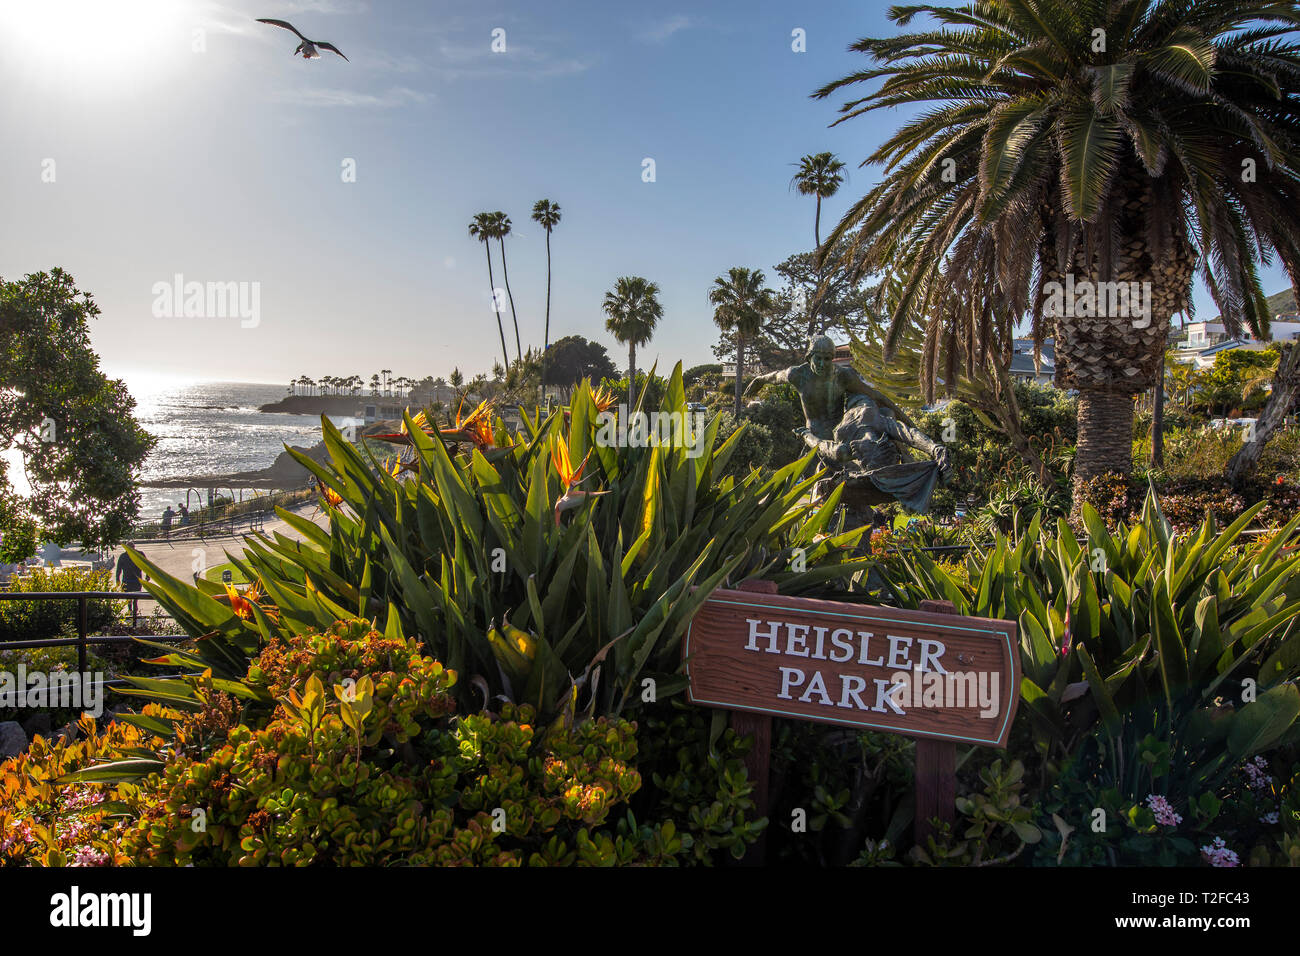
{"points": [[224, 164]]}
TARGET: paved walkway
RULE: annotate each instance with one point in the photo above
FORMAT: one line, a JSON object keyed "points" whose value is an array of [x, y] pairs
{"points": [[177, 558]]}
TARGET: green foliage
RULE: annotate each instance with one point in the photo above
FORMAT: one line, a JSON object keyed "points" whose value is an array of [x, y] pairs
{"points": [[360, 761], [72, 426], [564, 601], [780, 412], [36, 620], [998, 826], [1136, 633], [1236, 380]]}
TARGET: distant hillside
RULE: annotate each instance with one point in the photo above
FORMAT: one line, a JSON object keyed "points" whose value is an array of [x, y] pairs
{"points": [[1283, 301], [315, 405]]}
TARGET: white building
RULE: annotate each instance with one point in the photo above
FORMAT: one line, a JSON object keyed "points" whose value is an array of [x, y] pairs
{"points": [[1205, 340]]}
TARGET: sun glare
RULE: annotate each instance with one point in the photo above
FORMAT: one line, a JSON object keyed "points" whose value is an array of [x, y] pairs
{"points": [[103, 39]]}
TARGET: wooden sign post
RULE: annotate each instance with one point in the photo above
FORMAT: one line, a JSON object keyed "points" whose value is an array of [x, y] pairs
{"points": [[942, 678]]}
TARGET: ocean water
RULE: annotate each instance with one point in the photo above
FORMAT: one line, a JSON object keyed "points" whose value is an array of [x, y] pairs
{"points": [[211, 428]]}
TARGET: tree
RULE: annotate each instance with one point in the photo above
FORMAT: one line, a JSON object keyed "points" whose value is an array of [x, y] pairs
{"points": [[819, 175], [71, 426], [501, 229], [573, 358], [482, 228], [633, 309], [547, 215], [844, 307], [1281, 399], [1096, 142], [740, 303]]}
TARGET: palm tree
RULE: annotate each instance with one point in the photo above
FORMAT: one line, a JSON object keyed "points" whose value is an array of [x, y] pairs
{"points": [[820, 175], [741, 303], [1134, 141], [482, 227], [633, 309], [547, 215], [501, 229]]}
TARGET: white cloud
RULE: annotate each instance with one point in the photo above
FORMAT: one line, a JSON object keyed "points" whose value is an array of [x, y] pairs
{"points": [[320, 96], [662, 31]]}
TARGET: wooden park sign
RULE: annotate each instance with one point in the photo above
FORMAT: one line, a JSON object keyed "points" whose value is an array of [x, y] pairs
{"points": [[928, 674]]}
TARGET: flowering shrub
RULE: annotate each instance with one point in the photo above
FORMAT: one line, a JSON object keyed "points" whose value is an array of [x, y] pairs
{"points": [[342, 747], [46, 824]]}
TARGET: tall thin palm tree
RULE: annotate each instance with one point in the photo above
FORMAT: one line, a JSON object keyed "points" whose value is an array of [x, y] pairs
{"points": [[501, 229], [546, 214], [819, 175], [482, 227], [633, 310], [740, 304], [1057, 142]]}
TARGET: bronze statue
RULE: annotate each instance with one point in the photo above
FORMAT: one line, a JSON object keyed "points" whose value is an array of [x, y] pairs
{"points": [[857, 432]]}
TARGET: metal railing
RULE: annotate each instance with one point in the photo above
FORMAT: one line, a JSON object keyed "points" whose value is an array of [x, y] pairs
{"points": [[84, 639]]}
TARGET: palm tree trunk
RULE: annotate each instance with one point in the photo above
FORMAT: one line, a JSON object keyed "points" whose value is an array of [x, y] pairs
{"points": [[812, 300], [501, 329], [631, 374], [1158, 422], [1105, 433], [546, 336], [740, 369], [506, 275]]}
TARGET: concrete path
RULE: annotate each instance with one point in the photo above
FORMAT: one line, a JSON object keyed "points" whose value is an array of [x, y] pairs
{"points": [[177, 558]]}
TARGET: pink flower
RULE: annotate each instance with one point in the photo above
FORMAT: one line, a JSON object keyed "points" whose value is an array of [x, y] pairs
{"points": [[89, 856], [1218, 854], [1164, 811]]}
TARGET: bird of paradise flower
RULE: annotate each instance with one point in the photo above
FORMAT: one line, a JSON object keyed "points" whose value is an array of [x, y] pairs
{"points": [[570, 496], [242, 603]]}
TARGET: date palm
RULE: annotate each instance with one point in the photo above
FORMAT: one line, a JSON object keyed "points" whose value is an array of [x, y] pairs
{"points": [[501, 229], [633, 310], [547, 215], [819, 175], [482, 227], [740, 304], [1109, 140]]}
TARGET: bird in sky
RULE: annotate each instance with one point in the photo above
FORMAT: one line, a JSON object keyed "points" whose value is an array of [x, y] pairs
{"points": [[308, 48]]}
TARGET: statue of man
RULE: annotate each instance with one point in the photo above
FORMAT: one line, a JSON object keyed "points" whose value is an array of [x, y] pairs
{"points": [[857, 431]]}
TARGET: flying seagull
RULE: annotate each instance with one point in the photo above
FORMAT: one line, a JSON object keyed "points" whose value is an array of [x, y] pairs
{"points": [[307, 47]]}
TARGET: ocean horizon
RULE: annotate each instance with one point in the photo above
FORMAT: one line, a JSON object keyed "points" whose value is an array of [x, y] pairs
{"points": [[210, 428]]}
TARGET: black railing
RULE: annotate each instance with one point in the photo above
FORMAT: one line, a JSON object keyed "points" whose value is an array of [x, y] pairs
{"points": [[84, 639]]}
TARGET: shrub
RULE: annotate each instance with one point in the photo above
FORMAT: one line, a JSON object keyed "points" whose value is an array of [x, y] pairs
{"points": [[45, 823], [36, 620], [1139, 633], [357, 757]]}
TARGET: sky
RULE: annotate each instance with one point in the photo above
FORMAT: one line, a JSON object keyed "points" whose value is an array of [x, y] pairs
{"points": [[145, 140]]}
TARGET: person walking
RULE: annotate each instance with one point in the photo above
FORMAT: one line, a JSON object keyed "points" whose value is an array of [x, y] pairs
{"points": [[167, 517], [127, 577]]}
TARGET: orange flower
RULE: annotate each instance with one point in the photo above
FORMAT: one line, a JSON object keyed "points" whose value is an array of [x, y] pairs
{"points": [[564, 465], [476, 427], [331, 496], [604, 399], [243, 604], [404, 436], [569, 476]]}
